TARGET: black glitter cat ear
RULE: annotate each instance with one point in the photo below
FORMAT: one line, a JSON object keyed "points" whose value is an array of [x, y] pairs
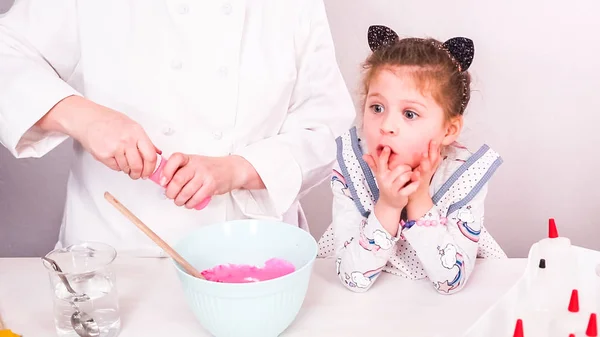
{"points": [[462, 49], [380, 36]]}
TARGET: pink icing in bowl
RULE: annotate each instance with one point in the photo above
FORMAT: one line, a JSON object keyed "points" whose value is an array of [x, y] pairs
{"points": [[250, 308], [242, 273]]}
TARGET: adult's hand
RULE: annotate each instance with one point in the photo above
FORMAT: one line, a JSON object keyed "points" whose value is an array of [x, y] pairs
{"points": [[110, 136], [189, 179]]}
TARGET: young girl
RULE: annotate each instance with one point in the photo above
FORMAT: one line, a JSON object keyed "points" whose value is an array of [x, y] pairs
{"points": [[412, 204]]}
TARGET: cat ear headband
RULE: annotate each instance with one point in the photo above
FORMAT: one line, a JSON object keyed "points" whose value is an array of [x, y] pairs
{"points": [[460, 49]]}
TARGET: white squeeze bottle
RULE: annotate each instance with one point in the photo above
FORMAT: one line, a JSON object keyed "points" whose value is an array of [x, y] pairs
{"points": [[538, 306], [554, 247], [562, 263], [587, 330], [569, 321]]}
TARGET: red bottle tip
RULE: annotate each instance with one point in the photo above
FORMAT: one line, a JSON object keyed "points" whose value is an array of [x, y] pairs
{"points": [[519, 329], [592, 328], [574, 302], [552, 231], [571, 335]]}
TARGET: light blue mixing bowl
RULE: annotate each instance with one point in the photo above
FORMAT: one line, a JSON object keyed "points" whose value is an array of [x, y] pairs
{"points": [[258, 309]]}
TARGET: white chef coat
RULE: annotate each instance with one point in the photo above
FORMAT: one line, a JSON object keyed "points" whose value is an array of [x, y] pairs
{"points": [[256, 78]]}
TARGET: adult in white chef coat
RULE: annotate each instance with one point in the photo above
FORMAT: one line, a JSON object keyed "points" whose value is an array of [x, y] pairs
{"points": [[245, 94]]}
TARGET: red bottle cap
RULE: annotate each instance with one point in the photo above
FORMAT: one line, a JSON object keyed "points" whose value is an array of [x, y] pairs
{"points": [[519, 329], [552, 231], [592, 328], [574, 302]]}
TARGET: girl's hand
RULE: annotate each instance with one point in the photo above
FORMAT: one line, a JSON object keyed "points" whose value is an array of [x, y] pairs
{"points": [[189, 179], [420, 202], [430, 161], [395, 185]]}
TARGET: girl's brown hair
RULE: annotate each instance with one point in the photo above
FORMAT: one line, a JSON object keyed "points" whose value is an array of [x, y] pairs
{"points": [[432, 66]]}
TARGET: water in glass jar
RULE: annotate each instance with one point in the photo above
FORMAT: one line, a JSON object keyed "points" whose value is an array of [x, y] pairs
{"points": [[102, 305]]}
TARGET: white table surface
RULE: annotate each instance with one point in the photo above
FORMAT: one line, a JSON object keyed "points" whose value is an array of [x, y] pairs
{"points": [[152, 302]]}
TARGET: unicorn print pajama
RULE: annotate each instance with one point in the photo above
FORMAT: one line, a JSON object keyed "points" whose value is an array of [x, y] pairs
{"points": [[441, 246]]}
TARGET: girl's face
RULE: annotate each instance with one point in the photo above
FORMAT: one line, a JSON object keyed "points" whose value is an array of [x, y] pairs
{"points": [[398, 114]]}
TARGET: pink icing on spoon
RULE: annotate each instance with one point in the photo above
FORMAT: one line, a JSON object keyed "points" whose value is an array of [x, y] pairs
{"points": [[239, 273]]}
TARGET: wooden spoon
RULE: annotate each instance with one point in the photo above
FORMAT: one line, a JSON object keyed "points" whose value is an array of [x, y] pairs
{"points": [[160, 242]]}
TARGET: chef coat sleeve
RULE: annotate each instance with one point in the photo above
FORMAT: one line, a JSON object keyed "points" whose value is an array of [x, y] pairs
{"points": [[39, 51], [302, 154]]}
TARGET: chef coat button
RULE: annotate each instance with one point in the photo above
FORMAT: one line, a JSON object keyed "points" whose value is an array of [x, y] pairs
{"points": [[168, 131], [217, 135], [227, 9], [183, 9], [176, 64], [223, 71]]}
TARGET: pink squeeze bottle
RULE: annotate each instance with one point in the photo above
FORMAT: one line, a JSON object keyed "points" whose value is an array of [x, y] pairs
{"points": [[155, 177]]}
